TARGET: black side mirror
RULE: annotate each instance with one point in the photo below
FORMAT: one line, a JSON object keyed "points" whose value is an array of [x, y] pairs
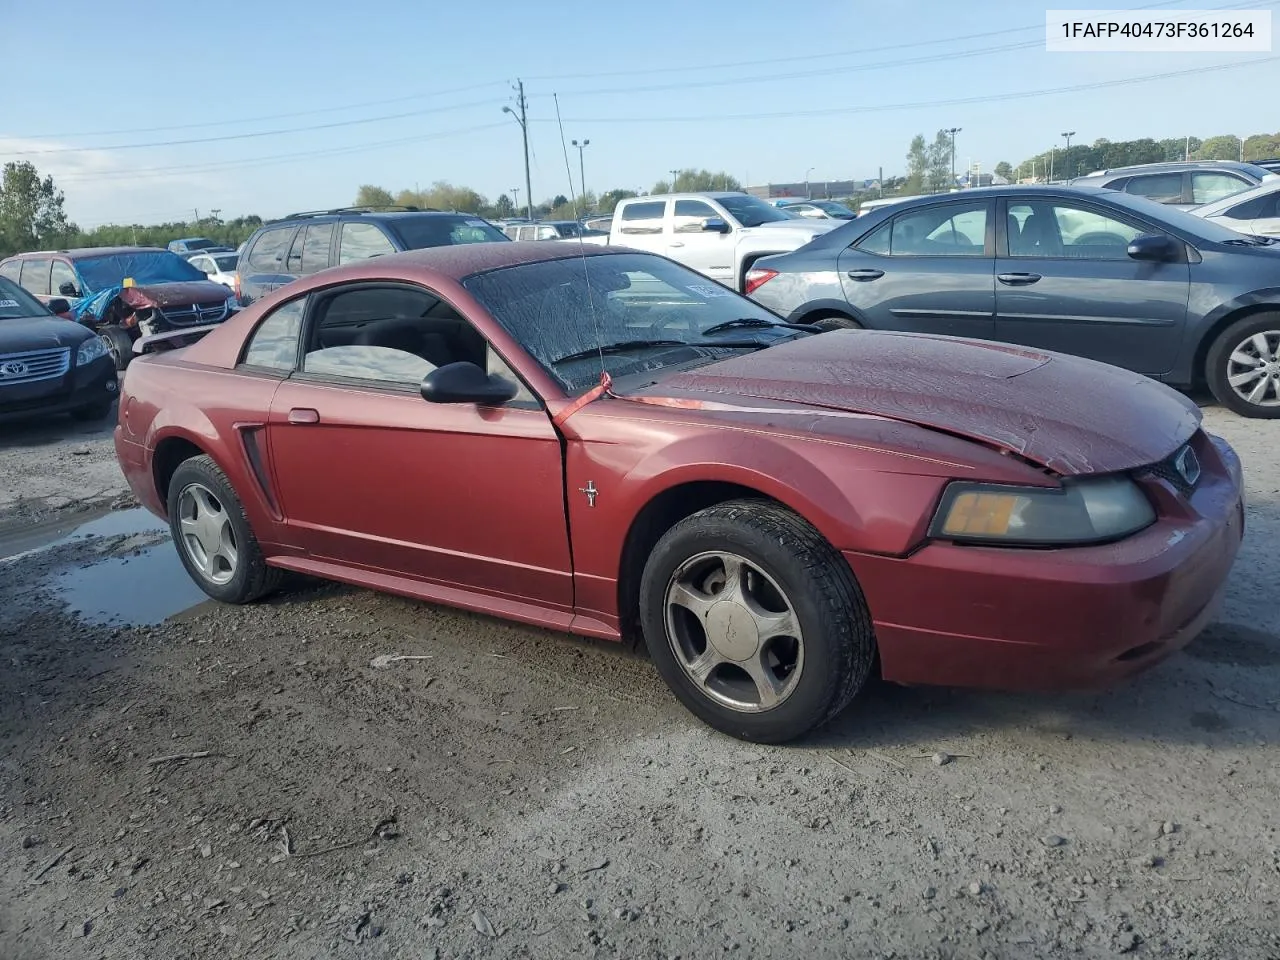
{"points": [[1152, 246], [68, 289], [58, 305], [464, 382], [716, 224]]}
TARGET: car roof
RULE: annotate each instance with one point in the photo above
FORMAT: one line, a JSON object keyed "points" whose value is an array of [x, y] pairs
{"points": [[461, 260], [695, 195], [81, 252], [1172, 166], [365, 212]]}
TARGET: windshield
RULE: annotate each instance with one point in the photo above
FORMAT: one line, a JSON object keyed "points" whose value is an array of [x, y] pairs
{"points": [[150, 266], [833, 208], [751, 211], [442, 231], [227, 262], [199, 243], [1180, 220], [557, 308], [16, 303]]}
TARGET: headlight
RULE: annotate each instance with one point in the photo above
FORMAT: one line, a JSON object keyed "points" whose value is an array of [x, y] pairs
{"points": [[90, 350], [1080, 511]]}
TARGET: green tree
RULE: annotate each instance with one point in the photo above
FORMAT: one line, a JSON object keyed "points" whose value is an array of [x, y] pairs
{"points": [[1004, 169], [1225, 147], [917, 167], [370, 196], [611, 198], [503, 207], [938, 172], [31, 213], [697, 181]]}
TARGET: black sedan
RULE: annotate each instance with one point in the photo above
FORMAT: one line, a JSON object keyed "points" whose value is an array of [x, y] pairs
{"points": [[49, 365], [1077, 270]]}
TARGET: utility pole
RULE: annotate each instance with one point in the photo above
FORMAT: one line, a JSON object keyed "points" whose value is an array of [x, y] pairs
{"points": [[808, 194], [1050, 180], [215, 211], [1067, 152], [674, 175], [582, 169], [1187, 155], [522, 118], [880, 183], [196, 210], [953, 131], [515, 203]]}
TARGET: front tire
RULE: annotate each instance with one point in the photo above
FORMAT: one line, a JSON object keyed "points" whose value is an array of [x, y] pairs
{"points": [[119, 344], [755, 622], [213, 537], [1243, 366]]}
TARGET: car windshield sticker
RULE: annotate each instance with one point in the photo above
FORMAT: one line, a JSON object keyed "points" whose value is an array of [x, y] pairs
{"points": [[8, 303], [708, 290]]}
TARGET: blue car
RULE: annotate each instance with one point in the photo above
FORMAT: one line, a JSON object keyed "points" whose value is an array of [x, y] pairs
{"points": [[1077, 270]]}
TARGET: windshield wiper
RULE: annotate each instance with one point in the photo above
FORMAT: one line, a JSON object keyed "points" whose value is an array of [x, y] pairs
{"points": [[758, 322], [620, 347]]}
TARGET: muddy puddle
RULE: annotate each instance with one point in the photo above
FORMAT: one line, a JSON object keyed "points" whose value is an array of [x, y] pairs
{"points": [[132, 585]]}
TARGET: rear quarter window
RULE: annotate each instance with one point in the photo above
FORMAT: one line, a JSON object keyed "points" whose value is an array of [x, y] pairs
{"points": [[10, 269], [643, 218], [268, 251]]}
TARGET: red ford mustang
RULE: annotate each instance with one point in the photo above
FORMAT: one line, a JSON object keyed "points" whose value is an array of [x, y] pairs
{"points": [[603, 442]]}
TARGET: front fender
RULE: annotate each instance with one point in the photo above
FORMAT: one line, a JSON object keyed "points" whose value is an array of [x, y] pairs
{"points": [[1214, 317]]}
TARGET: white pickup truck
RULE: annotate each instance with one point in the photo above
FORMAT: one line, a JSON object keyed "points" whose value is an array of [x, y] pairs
{"points": [[718, 234]]}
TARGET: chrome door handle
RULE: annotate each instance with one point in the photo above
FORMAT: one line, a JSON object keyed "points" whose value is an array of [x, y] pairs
{"points": [[676, 243], [866, 274], [304, 415], [1017, 279]]}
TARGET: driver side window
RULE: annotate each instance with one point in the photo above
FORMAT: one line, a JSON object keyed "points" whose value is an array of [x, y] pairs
{"points": [[392, 336], [1065, 230]]}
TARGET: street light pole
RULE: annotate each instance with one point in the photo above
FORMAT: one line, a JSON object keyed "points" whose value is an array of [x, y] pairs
{"points": [[674, 175], [582, 169], [1068, 134], [953, 131], [523, 119]]}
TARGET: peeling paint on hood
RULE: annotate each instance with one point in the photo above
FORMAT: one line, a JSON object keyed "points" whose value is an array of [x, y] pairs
{"points": [[182, 293], [1067, 414]]}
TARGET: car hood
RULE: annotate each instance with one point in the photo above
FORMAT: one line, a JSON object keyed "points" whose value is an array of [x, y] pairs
{"points": [[804, 230], [182, 293], [1070, 415], [40, 333]]}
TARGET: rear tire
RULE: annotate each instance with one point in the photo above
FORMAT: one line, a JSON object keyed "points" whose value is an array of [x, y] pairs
{"points": [[1248, 345], [119, 344], [836, 321], [752, 569], [213, 536]]}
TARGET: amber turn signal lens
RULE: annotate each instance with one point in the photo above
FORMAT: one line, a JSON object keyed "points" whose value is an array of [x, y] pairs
{"points": [[981, 513]]}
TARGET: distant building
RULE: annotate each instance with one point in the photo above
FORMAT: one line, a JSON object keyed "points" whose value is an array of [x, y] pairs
{"points": [[816, 189]]}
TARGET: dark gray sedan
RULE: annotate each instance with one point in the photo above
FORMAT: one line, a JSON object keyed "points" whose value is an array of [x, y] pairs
{"points": [[1077, 270]]}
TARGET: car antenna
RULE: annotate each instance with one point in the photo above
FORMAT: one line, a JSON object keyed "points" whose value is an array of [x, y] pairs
{"points": [[605, 380]]}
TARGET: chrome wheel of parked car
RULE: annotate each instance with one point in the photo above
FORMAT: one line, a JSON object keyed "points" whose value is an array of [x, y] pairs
{"points": [[734, 632], [1243, 366], [207, 535], [213, 536], [119, 344], [755, 622], [1253, 368]]}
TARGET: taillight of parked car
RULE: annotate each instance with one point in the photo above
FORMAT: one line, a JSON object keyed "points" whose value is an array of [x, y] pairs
{"points": [[758, 277], [239, 299]]}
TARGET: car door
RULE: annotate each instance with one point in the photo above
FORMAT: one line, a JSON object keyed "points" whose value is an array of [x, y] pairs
{"points": [[35, 277], [927, 270], [642, 225], [710, 252], [1065, 282], [370, 473]]}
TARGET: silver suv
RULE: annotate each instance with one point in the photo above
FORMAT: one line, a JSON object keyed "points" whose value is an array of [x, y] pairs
{"points": [[1182, 184]]}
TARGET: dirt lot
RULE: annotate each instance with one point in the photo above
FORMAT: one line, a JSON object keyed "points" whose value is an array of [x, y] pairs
{"points": [[522, 794]]}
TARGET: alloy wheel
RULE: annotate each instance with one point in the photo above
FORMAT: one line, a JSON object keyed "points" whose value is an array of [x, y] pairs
{"points": [[734, 632], [207, 537], [1253, 369]]}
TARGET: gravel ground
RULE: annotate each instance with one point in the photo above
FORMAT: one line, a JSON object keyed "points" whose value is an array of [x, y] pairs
{"points": [[246, 782]]}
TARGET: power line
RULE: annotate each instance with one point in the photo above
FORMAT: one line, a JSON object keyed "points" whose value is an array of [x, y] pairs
{"points": [[258, 119], [215, 166], [919, 104], [250, 136], [810, 57]]}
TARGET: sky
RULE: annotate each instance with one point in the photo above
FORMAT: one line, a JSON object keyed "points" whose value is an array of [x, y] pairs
{"points": [[268, 108]]}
